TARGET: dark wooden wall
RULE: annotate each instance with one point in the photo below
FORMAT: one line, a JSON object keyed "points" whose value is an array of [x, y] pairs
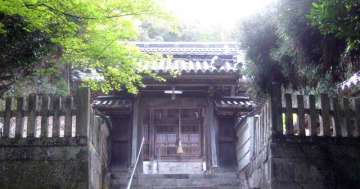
{"points": [[120, 141]]}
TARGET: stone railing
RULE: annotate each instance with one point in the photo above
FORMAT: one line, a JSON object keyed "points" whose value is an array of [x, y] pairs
{"points": [[45, 116]]}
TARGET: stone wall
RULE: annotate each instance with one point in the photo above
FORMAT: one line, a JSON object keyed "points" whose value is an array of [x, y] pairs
{"points": [[253, 158], [304, 163], [315, 163], [99, 177], [76, 162], [252, 150], [294, 162], [35, 163], [55, 143]]}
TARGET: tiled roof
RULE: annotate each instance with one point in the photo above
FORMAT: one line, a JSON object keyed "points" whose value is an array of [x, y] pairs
{"points": [[213, 63], [351, 82], [197, 67], [234, 103], [182, 66]]}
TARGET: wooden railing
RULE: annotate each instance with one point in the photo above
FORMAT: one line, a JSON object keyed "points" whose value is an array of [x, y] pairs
{"points": [[45, 116], [310, 115]]}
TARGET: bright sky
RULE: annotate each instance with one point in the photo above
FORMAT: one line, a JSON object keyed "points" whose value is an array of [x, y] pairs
{"points": [[215, 13]]}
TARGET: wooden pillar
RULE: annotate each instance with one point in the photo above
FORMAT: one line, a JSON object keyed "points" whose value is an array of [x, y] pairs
{"points": [[213, 137], [135, 130]]}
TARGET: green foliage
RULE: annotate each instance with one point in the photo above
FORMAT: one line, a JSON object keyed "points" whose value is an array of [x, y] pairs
{"points": [[90, 34], [41, 85], [340, 18]]}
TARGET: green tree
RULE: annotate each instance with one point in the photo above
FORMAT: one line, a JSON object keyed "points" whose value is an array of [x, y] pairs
{"points": [[339, 18], [21, 51], [258, 36], [85, 33], [297, 54]]}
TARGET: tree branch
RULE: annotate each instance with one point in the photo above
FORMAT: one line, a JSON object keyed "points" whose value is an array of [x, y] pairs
{"points": [[57, 11]]}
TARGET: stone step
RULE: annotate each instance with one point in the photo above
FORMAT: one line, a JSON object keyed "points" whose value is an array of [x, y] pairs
{"points": [[187, 187], [217, 180], [178, 183], [178, 176], [173, 187]]}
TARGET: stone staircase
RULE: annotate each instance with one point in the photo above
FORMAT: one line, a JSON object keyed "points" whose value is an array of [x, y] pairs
{"points": [[219, 179]]}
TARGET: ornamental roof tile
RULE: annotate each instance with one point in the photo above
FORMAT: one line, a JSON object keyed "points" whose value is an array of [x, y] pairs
{"points": [[191, 51], [112, 102], [352, 82], [191, 48], [234, 103]]}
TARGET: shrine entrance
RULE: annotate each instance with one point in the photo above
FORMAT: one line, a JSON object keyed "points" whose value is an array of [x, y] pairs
{"points": [[178, 134]]}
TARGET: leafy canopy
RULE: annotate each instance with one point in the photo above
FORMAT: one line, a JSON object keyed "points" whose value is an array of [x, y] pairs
{"points": [[89, 32]]}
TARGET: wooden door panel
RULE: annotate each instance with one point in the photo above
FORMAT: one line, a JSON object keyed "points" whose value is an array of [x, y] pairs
{"points": [[227, 156]]}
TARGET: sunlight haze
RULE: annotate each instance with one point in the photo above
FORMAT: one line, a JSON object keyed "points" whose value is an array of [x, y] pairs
{"points": [[214, 13]]}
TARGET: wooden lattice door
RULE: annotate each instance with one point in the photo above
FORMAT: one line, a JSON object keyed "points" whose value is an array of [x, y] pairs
{"points": [[175, 126]]}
